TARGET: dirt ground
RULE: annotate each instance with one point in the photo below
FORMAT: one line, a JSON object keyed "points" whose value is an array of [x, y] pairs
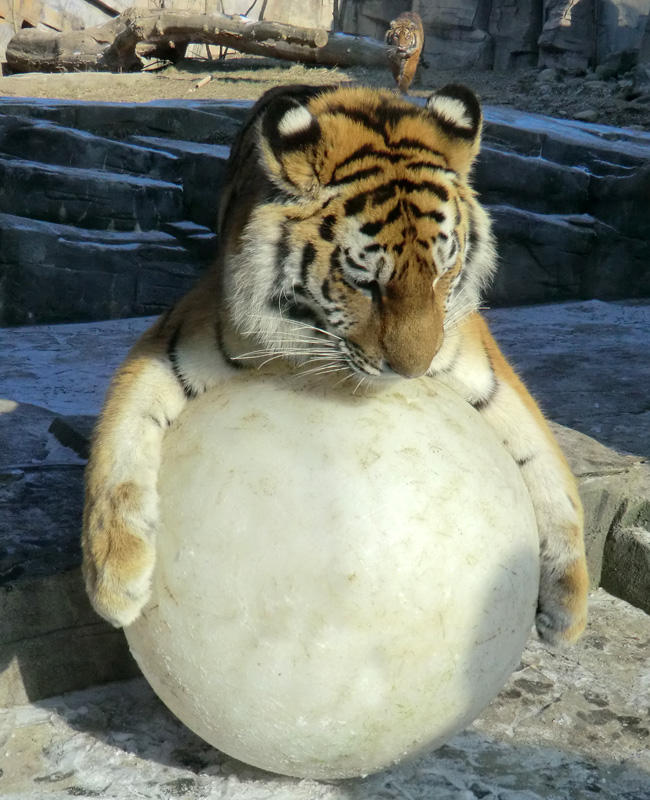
{"points": [[611, 102]]}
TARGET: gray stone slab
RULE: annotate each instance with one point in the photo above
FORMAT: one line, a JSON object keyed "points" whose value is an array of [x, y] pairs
{"points": [[531, 184], [601, 149], [587, 364], [24, 137], [87, 198], [55, 272], [215, 123], [543, 257], [203, 170]]}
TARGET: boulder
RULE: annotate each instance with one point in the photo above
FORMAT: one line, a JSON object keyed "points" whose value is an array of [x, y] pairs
{"points": [[568, 35]]}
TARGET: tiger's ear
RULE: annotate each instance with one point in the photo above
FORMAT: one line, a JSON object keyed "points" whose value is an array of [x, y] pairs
{"points": [[289, 138], [456, 112]]}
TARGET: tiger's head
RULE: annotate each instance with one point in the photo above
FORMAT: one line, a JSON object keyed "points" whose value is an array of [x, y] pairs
{"points": [[352, 239], [405, 35]]}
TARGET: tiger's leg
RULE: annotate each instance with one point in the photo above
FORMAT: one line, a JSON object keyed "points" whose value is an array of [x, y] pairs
{"points": [[173, 361], [472, 364], [408, 70]]}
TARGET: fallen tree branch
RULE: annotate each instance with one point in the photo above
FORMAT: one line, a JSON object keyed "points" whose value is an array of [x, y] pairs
{"points": [[112, 47]]}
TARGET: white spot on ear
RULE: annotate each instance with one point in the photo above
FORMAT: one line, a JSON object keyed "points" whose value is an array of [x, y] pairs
{"points": [[451, 109], [295, 121]]}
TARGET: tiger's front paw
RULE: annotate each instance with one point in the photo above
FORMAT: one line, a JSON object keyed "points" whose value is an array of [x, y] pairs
{"points": [[562, 605], [118, 554]]}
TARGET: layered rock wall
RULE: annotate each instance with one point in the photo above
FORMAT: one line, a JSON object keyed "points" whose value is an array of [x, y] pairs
{"points": [[508, 34], [93, 226]]}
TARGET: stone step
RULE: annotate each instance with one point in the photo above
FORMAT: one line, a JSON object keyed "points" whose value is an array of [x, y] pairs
{"points": [[88, 198], [600, 149], [215, 122], [553, 257], [60, 273], [203, 169], [27, 138]]}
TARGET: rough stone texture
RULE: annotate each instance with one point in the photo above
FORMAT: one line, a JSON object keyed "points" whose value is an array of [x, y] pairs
{"points": [[458, 48], [567, 726], [86, 198], [64, 252], [203, 169], [22, 137], [621, 26], [52, 272], [59, 374], [568, 200], [581, 33], [515, 26], [215, 122], [626, 558], [568, 34]]}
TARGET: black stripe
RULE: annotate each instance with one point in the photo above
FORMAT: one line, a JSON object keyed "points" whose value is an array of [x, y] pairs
{"points": [[472, 237], [383, 193], [326, 228], [521, 462], [356, 176], [428, 165], [325, 290], [307, 259], [355, 205], [433, 214], [335, 260], [172, 355], [369, 150], [394, 215], [418, 145], [409, 186], [281, 254], [371, 228]]}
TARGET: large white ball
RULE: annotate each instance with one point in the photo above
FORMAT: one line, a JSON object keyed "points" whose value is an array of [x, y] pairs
{"points": [[342, 580]]}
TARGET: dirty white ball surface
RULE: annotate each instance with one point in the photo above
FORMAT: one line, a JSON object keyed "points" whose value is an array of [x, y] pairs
{"points": [[342, 580]]}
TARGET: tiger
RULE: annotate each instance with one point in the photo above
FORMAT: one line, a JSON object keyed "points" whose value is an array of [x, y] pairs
{"points": [[349, 236], [404, 41]]}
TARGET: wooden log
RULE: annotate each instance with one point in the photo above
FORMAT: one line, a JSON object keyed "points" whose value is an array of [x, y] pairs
{"points": [[112, 46]]}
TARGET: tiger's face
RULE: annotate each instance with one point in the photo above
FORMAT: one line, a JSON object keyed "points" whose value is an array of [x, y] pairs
{"points": [[405, 37], [368, 244]]}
